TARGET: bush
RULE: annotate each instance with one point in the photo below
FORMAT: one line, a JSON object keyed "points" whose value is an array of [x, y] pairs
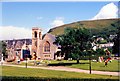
{"points": [[8, 78]]}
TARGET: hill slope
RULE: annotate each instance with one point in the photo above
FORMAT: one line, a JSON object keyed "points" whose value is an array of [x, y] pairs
{"points": [[97, 26]]}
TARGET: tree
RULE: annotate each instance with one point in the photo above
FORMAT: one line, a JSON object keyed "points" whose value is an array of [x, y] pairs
{"points": [[116, 40], [3, 49], [74, 42]]}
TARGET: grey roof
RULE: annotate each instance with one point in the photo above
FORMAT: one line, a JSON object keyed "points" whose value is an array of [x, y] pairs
{"points": [[50, 36], [18, 42]]}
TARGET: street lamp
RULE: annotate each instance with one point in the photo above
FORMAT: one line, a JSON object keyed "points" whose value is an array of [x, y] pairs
{"points": [[26, 60], [89, 60]]}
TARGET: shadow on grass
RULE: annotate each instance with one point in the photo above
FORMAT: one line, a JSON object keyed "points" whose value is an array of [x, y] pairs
{"points": [[64, 64], [13, 78]]}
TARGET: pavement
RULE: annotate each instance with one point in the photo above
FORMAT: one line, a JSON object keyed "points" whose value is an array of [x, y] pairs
{"points": [[63, 68]]}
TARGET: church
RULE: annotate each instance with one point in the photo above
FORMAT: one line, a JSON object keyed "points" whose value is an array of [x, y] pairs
{"points": [[42, 45]]}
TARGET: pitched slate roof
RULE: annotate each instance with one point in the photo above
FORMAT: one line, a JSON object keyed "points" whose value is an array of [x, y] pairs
{"points": [[49, 36], [18, 43]]}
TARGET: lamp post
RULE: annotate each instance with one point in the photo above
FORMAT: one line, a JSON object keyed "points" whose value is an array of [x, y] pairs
{"points": [[26, 55], [90, 53], [26, 60], [90, 64], [89, 61]]}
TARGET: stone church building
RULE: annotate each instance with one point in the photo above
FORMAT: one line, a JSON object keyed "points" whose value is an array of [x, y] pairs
{"points": [[43, 46]]}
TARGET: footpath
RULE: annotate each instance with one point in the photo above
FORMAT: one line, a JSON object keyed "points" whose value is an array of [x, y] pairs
{"points": [[62, 68]]}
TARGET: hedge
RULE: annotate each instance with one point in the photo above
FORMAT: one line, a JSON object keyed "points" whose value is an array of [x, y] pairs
{"points": [[9, 78]]}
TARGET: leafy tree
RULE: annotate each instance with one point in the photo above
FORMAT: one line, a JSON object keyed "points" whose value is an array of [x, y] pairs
{"points": [[3, 48], [116, 47], [74, 42]]}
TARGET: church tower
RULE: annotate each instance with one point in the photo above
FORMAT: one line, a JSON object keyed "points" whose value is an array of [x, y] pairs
{"points": [[36, 38]]}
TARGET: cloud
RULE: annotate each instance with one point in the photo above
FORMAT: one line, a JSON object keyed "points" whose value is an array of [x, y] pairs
{"points": [[108, 11], [58, 22], [11, 32]]}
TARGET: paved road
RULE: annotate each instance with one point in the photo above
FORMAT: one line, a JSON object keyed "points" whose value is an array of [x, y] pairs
{"points": [[62, 68]]}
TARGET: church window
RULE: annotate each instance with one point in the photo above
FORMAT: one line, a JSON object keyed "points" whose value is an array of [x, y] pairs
{"points": [[35, 34], [40, 35], [47, 47]]}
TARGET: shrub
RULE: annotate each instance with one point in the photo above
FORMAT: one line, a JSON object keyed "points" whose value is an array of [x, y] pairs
{"points": [[8, 78]]}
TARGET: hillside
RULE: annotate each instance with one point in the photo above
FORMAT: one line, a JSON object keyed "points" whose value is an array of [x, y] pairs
{"points": [[104, 26]]}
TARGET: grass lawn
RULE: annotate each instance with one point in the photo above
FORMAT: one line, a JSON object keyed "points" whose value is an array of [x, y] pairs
{"points": [[84, 64], [113, 66], [32, 72]]}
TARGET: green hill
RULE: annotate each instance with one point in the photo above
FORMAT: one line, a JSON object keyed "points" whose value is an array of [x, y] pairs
{"points": [[104, 26]]}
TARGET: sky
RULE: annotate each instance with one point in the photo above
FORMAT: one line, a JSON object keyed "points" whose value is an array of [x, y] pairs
{"points": [[18, 18]]}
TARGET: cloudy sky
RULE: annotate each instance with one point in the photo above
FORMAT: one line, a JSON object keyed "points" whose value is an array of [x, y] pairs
{"points": [[18, 18]]}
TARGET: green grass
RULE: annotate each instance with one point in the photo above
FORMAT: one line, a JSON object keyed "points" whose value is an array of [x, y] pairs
{"points": [[44, 62], [84, 64], [32, 72], [29, 63], [113, 66], [0, 70], [62, 61]]}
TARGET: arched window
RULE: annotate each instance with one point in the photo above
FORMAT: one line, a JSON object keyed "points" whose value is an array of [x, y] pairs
{"points": [[40, 35], [35, 34], [47, 47]]}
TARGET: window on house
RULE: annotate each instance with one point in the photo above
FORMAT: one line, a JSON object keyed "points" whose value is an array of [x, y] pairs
{"points": [[47, 47]]}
